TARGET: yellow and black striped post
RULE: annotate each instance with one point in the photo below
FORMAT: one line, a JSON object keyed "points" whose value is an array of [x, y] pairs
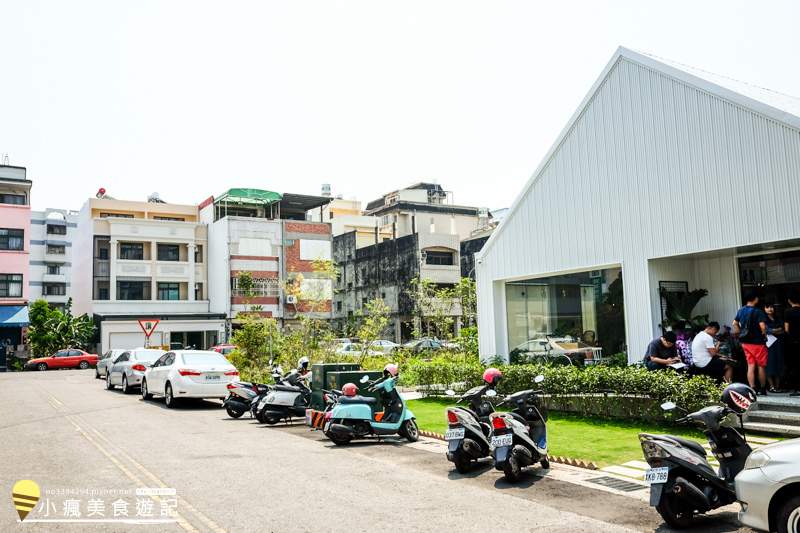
{"points": [[26, 494]]}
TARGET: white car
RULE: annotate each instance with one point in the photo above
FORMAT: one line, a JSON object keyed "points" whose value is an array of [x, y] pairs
{"points": [[105, 360], [188, 374], [384, 347], [128, 369], [768, 488], [354, 350]]}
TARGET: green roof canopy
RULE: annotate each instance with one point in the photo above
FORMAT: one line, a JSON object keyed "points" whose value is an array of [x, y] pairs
{"points": [[249, 197]]}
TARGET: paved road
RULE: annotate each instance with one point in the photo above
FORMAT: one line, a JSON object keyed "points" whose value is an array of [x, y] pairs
{"points": [[79, 442]]}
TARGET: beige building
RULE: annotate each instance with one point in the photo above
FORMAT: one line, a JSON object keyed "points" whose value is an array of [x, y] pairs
{"points": [[144, 260]]}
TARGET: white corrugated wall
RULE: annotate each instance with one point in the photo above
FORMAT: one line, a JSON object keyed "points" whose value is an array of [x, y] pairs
{"points": [[653, 167]]}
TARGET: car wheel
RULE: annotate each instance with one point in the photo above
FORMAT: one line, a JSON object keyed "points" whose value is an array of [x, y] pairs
{"points": [[145, 395], [41, 366], [788, 520], [109, 385], [410, 430], [83, 365], [462, 461], [170, 399], [125, 388], [512, 469]]}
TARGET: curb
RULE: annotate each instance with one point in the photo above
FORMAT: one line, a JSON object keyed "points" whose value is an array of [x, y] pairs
{"points": [[589, 465]]}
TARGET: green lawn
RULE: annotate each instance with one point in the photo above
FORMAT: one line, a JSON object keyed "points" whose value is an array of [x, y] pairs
{"points": [[605, 441]]}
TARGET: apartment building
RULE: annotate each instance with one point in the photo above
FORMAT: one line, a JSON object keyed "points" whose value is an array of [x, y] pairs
{"points": [[267, 234], [52, 234], [144, 261], [15, 236]]}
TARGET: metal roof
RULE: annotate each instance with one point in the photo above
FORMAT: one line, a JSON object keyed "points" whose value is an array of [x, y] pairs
{"points": [[301, 202]]}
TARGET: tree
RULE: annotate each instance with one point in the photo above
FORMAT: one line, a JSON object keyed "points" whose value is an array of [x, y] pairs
{"points": [[51, 330], [465, 292], [433, 306], [375, 320], [43, 341], [245, 283], [257, 339]]}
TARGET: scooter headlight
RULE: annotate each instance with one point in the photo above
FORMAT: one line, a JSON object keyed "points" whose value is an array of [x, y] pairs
{"points": [[757, 459], [653, 451]]}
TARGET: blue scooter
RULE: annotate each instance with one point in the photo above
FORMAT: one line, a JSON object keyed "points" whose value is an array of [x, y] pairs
{"points": [[354, 416]]}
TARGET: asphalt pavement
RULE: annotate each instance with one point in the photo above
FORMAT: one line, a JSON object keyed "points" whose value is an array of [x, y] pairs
{"points": [[89, 450]]}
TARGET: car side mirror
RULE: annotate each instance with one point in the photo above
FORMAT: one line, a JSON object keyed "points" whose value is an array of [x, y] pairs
{"points": [[668, 406], [491, 392], [450, 392]]}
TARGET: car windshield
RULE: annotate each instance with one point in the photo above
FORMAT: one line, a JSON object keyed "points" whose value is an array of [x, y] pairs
{"points": [[410, 344], [204, 358], [147, 355]]}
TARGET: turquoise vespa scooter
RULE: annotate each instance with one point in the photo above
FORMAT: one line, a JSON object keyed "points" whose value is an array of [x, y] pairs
{"points": [[353, 416]]}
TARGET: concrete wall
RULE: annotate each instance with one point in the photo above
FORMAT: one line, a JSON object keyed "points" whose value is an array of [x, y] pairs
{"points": [[39, 260]]}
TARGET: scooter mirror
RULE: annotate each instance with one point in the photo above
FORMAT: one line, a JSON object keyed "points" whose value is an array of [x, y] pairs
{"points": [[667, 406], [450, 392], [491, 392], [539, 378], [364, 379]]}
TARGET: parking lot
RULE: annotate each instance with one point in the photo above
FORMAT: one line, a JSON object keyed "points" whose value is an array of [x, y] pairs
{"points": [[80, 442]]}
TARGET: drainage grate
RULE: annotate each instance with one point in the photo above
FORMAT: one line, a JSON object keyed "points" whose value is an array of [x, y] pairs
{"points": [[618, 484]]}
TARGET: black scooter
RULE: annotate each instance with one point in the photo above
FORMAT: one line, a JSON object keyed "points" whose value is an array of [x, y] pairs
{"points": [[681, 481], [468, 430]]}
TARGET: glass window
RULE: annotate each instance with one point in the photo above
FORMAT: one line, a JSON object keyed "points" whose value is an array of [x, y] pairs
{"points": [[204, 358], [147, 355], [131, 250], [14, 199], [56, 229], [169, 291], [439, 258], [10, 285], [174, 219], [12, 239], [169, 252], [54, 289], [130, 290], [53, 269], [115, 215], [55, 249], [568, 314]]}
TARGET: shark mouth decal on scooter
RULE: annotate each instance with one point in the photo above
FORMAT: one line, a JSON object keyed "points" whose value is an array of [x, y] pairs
{"points": [[740, 400]]}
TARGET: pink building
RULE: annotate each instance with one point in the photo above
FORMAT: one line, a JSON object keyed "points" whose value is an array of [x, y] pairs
{"points": [[15, 246]]}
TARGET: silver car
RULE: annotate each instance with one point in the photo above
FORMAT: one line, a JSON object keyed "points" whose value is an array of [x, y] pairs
{"points": [[768, 488], [106, 359], [127, 370]]}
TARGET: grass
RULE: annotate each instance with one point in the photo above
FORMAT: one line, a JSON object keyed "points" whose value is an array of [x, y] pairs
{"points": [[606, 441]]}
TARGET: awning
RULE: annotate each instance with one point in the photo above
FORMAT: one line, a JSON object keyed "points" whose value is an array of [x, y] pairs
{"points": [[14, 316], [248, 197]]}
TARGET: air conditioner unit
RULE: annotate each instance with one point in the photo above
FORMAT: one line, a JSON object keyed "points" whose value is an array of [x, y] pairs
{"points": [[291, 299]]}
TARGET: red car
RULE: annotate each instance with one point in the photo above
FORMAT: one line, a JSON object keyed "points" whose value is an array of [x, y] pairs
{"points": [[64, 359], [224, 349]]}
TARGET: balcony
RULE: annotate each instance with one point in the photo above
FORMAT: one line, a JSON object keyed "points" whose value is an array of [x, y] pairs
{"points": [[172, 270], [55, 258], [54, 278], [119, 307], [130, 267]]}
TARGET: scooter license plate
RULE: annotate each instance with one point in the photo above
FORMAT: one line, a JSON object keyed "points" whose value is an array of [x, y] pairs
{"points": [[454, 434], [656, 475], [502, 440]]}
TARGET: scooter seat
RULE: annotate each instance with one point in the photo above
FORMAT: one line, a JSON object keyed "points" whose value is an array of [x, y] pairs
{"points": [[358, 399], [690, 444], [518, 418], [287, 388]]}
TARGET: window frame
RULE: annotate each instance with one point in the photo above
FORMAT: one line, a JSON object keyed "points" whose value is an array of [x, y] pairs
{"points": [[9, 280], [170, 250], [160, 287], [6, 238], [440, 257], [125, 249]]}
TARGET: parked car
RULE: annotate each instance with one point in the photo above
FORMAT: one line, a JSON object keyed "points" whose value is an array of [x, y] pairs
{"points": [[64, 359], [553, 349], [106, 359], [188, 374], [385, 347], [341, 341], [769, 488], [128, 369], [224, 349], [422, 345], [354, 350]]}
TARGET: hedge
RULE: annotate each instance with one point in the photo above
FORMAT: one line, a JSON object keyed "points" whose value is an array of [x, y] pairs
{"points": [[567, 383]]}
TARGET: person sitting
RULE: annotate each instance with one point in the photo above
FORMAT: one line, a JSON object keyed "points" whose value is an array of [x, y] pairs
{"points": [[705, 350], [662, 352]]}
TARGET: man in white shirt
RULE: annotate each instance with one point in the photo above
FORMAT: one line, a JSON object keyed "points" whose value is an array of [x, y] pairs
{"points": [[705, 356]]}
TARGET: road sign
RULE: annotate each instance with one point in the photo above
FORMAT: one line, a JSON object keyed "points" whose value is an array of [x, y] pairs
{"points": [[148, 326]]}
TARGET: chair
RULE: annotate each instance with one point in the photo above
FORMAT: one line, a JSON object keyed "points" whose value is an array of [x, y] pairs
{"points": [[589, 337]]}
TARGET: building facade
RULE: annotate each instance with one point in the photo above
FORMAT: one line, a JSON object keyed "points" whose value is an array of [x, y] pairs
{"points": [[144, 261], [15, 245], [266, 234], [669, 178], [52, 234]]}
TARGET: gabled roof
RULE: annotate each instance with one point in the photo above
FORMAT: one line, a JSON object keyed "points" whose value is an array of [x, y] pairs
{"points": [[776, 106]]}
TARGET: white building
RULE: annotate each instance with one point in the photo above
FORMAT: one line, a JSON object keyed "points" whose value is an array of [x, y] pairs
{"points": [[666, 175], [52, 233], [144, 261]]}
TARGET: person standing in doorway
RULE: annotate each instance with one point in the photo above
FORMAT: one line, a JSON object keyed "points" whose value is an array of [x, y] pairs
{"points": [[753, 321], [775, 366], [791, 325]]}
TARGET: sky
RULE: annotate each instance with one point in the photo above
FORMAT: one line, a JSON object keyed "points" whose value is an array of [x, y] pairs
{"points": [[189, 99]]}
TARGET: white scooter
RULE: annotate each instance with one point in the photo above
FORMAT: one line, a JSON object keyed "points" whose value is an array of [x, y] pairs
{"points": [[291, 398], [519, 437]]}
